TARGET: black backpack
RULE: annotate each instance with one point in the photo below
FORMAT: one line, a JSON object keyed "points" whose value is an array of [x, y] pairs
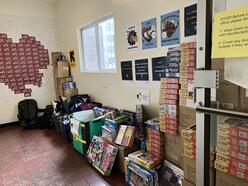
{"points": [[27, 113]]}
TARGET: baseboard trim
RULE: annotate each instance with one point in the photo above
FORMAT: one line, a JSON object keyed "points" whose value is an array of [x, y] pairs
{"points": [[9, 124]]}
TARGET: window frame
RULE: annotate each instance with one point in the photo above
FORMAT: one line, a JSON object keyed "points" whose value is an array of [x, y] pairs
{"points": [[95, 24]]}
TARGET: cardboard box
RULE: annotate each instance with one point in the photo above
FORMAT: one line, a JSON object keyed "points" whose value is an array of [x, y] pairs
{"points": [[231, 162], [233, 127], [190, 171], [187, 116], [173, 149], [228, 96], [54, 58], [243, 101], [189, 168], [144, 159], [70, 92], [62, 69], [126, 136], [219, 64], [122, 153], [170, 174], [224, 179], [187, 183]]}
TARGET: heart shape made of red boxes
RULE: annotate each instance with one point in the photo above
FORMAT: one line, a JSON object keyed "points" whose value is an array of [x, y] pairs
{"points": [[20, 63]]}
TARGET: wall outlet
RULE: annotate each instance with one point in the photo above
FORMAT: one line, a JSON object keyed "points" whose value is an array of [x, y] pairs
{"points": [[143, 97]]}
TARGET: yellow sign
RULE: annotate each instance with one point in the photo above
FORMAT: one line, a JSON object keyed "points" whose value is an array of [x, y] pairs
{"points": [[230, 33], [72, 58]]}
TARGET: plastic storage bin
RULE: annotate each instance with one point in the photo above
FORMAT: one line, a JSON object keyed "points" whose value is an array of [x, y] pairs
{"points": [[65, 130], [85, 125], [79, 145]]}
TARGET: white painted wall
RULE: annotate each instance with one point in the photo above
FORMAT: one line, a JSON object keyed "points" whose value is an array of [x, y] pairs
{"points": [[108, 88], [36, 18]]}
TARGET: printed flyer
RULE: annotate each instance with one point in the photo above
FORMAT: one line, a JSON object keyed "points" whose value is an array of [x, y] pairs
{"points": [[132, 38], [170, 28], [159, 65], [141, 70], [126, 70], [190, 20], [149, 34]]}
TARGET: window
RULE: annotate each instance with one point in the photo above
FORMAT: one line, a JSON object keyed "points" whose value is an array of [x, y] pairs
{"points": [[97, 45]]}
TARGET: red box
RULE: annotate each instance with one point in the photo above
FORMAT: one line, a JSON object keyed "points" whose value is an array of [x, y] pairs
{"points": [[188, 45], [170, 86], [2, 40], [169, 101], [171, 122], [187, 69], [3, 36], [186, 75], [239, 173], [171, 127], [37, 42], [27, 49], [41, 48], [169, 91], [232, 140], [171, 96], [188, 51]]}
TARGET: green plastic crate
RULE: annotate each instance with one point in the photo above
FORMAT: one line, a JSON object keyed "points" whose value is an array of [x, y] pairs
{"points": [[79, 145], [92, 128]]}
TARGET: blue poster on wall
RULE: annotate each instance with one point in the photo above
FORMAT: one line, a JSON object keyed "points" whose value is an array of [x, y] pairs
{"points": [[149, 34], [190, 20], [170, 28]]}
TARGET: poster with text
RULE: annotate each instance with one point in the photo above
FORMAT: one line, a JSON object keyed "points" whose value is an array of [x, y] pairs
{"points": [[190, 20], [132, 38], [159, 65], [127, 70], [230, 33], [170, 28], [141, 70], [149, 34]]}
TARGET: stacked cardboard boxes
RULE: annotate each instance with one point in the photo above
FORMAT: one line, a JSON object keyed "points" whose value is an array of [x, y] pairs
{"points": [[169, 93], [187, 66], [188, 136], [232, 147], [173, 65], [154, 139], [189, 142], [168, 105]]}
